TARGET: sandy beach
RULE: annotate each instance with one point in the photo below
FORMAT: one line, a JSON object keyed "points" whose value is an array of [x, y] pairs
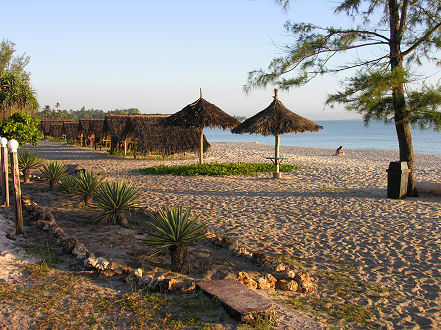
{"points": [[333, 212]]}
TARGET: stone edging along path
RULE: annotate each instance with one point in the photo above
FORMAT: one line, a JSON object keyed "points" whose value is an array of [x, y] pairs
{"points": [[289, 279]]}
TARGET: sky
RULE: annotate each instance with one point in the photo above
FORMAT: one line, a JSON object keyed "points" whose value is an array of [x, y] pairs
{"points": [[155, 55]]}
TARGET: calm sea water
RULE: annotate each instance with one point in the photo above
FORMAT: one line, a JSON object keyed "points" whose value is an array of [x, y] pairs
{"points": [[351, 134]]}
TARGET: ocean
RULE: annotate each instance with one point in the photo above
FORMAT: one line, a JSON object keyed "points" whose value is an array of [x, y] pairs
{"points": [[351, 134]]}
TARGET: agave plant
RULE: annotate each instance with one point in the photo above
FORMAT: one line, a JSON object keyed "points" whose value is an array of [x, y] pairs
{"points": [[86, 185], [28, 161], [68, 185], [113, 198], [172, 228], [53, 172]]}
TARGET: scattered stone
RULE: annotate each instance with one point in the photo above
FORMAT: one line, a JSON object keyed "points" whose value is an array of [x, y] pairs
{"points": [[272, 280], [137, 272], [185, 286], [102, 263], [11, 236], [291, 274], [90, 263], [245, 279], [305, 283], [69, 244], [154, 283], [261, 258], [263, 283], [144, 281], [285, 285], [26, 200], [280, 268], [80, 251], [166, 285]]}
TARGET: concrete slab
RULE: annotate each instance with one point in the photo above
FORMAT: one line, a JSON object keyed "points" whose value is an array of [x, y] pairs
{"points": [[241, 302]]}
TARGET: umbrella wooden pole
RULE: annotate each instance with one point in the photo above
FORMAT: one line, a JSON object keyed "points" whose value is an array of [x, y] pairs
{"points": [[276, 157], [201, 147]]}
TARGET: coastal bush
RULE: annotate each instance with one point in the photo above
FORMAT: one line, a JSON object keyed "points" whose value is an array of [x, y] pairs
{"points": [[86, 185], [53, 172], [172, 228], [112, 199], [27, 161], [216, 169]]}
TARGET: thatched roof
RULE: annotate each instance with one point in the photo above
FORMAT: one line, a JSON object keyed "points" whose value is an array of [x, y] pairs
{"points": [[152, 136], [45, 125], [114, 125], [71, 131], [201, 114], [56, 130], [276, 119], [94, 125]]}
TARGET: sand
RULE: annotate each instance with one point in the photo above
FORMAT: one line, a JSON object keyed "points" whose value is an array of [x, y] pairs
{"points": [[332, 211]]}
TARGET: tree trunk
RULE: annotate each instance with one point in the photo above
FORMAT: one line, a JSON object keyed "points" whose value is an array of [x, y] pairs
{"points": [[27, 176], [122, 220], [87, 200], [178, 255], [399, 103], [201, 147], [52, 185]]}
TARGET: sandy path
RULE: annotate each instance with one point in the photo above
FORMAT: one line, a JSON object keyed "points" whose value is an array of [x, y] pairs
{"points": [[334, 208]]}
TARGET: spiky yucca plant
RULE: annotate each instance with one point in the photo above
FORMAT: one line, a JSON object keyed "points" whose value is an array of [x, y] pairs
{"points": [[53, 172], [172, 228], [68, 185], [112, 199], [87, 184], [27, 161]]}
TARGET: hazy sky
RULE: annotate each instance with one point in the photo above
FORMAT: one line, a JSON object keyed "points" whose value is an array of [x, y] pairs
{"points": [[155, 55]]}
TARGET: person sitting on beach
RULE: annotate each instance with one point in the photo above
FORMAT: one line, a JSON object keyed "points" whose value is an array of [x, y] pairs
{"points": [[339, 151]]}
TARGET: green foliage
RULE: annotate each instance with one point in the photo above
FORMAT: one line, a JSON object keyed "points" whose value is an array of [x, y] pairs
{"points": [[16, 93], [22, 127], [216, 169], [86, 185], [53, 172], [112, 199], [28, 160], [48, 113], [173, 226], [68, 185]]}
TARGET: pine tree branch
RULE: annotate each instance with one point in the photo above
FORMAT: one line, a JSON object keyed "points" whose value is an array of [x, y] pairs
{"points": [[421, 40], [403, 19]]}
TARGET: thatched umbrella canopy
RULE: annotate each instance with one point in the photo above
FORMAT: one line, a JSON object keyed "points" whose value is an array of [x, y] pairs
{"points": [[276, 119], [201, 114]]}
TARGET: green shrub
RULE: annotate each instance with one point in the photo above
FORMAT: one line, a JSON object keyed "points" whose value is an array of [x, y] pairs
{"points": [[112, 199], [27, 161], [216, 169], [68, 185], [173, 229], [53, 172], [86, 185]]}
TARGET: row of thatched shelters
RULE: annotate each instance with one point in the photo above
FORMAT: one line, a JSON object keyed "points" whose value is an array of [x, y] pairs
{"points": [[143, 134]]}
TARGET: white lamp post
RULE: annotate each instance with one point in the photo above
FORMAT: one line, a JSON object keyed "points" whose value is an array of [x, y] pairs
{"points": [[4, 171], [13, 146]]}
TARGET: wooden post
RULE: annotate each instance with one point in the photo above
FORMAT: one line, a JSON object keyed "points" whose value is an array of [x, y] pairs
{"points": [[276, 174], [201, 148], [12, 146], [125, 147], [4, 174], [134, 148]]}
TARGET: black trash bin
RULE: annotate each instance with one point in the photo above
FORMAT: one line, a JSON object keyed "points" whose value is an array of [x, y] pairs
{"points": [[397, 177]]}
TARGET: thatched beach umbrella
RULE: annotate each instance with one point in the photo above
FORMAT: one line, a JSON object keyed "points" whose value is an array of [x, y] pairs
{"points": [[276, 119], [201, 114]]}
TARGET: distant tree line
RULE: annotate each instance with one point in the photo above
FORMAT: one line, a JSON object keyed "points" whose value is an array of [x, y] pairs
{"points": [[62, 114]]}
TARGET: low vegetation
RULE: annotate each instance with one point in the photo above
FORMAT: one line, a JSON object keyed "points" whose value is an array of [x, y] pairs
{"points": [[53, 172], [216, 169], [112, 199], [172, 228], [86, 184], [27, 161]]}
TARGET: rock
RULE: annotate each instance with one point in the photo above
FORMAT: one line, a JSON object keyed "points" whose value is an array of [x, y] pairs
{"points": [[184, 286], [285, 285], [263, 283], [136, 273], [26, 200], [11, 236], [291, 274], [80, 251], [58, 232], [90, 263], [154, 283], [280, 268], [166, 284], [305, 283], [261, 258], [272, 280], [98, 170], [102, 263], [144, 281], [244, 278], [69, 244]]}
